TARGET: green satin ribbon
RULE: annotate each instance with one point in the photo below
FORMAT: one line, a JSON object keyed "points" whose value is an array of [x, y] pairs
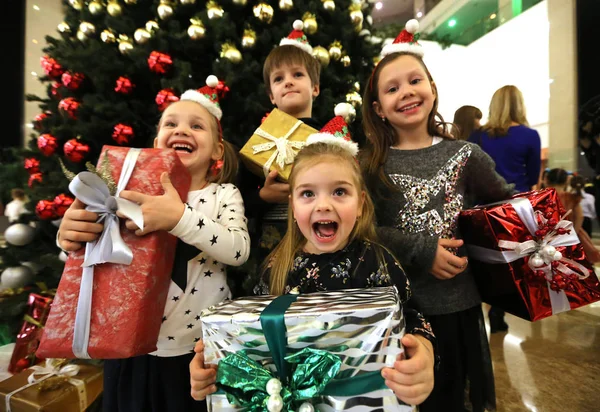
{"points": [[312, 374]]}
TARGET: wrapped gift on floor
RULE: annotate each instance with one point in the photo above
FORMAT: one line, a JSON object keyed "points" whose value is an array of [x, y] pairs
{"points": [[114, 309], [55, 386], [526, 258], [29, 337], [274, 145], [321, 350]]}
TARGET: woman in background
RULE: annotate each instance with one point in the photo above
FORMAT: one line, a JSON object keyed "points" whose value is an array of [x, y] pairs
{"points": [[466, 121]]}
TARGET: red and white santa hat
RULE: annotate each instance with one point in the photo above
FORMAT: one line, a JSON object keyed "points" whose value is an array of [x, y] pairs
{"points": [[207, 96], [406, 41], [336, 130], [297, 38]]}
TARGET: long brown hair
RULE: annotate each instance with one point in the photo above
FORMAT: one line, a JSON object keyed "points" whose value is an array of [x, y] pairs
{"points": [[281, 259], [507, 107], [464, 120], [381, 135]]}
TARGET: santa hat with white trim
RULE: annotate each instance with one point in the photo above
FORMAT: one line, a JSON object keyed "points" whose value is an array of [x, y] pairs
{"points": [[336, 130], [206, 96], [297, 38], [406, 41]]}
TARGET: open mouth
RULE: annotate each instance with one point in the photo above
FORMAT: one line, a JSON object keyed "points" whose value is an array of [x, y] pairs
{"points": [[182, 147], [325, 229], [411, 107]]}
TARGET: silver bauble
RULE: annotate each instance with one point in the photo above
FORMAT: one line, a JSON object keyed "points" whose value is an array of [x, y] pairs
{"points": [[16, 277], [19, 234]]}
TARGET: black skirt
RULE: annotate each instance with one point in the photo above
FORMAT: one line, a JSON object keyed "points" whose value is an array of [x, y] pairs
{"points": [[464, 380], [149, 384]]}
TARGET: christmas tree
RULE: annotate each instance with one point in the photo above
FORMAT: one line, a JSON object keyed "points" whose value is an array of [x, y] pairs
{"points": [[114, 66]]}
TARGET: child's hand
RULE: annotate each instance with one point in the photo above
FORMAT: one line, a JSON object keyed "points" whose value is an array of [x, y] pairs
{"points": [[412, 379], [202, 379], [273, 191], [446, 265], [78, 226], [160, 212]]}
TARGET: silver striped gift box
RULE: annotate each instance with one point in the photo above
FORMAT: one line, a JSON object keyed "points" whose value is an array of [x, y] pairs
{"points": [[362, 326]]}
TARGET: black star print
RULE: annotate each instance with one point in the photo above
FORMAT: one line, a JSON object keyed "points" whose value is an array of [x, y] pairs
{"points": [[190, 326], [196, 339], [207, 273], [187, 312], [175, 298], [215, 262], [202, 261], [194, 290], [202, 201], [222, 288], [218, 217], [171, 338], [213, 240], [224, 205], [228, 229], [232, 210], [232, 218], [164, 318], [188, 206], [198, 317], [238, 255], [200, 224], [215, 192]]}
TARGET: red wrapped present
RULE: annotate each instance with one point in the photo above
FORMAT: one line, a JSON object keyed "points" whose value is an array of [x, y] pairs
{"points": [[527, 258], [115, 311], [28, 339]]}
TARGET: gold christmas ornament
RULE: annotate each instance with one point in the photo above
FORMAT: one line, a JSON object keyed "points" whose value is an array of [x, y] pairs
{"points": [[356, 14], [185, 2], [310, 23], [357, 86], [130, 1], [322, 55], [354, 99], [214, 10], [231, 53], [249, 39], [196, 31], [95, 7], [164, 10], [346, 61], [329, 5], [151, 26], [125, 45], [108, 36], [64, 28], [286, 5], [263, 12], [376, 60], [240, 2], [114, 8], [81, 36], [335, 50], [141, 36], [87, 28], [76, 4]]}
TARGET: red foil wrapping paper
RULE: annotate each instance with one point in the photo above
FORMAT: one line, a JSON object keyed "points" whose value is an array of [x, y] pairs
{"points": [[513, 286], [127, 300]]}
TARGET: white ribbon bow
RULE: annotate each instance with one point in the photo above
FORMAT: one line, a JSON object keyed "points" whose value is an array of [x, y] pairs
{"points": [[284, 153], [110, 247], [542, 252]]}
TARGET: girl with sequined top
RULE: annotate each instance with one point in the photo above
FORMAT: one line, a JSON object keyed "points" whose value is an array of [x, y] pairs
{"points": [[329, 245], [420, 178]]}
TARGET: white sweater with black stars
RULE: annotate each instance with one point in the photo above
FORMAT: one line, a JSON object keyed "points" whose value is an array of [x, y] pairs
{"points": [[214, 223]]}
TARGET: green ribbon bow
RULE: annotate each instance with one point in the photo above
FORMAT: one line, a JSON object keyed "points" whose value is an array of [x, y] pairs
{"points": [[313, 371]]}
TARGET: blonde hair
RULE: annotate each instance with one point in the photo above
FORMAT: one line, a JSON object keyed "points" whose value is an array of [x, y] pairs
{"points": [[228, 170], [381, 135], [507, 107], [464, 121], [281, 259]]}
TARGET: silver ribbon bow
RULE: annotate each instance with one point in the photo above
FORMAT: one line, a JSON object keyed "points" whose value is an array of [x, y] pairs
{"points": [[542, 252], [50, 369], [110, 247], [284, 149]]}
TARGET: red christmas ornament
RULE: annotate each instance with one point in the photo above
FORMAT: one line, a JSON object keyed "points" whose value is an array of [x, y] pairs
{"points": [[122, 134], [124, 85], [222, 89], [45, 210], [61, 204], [37, 122], [34, 178], [47, 144], [159, 62], [51, 67], [76, 151], [72, 81], [55, 91], [164, 98], [69, 105], [32, 165]]}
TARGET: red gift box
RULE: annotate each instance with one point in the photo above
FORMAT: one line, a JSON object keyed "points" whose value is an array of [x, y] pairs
{"points": [[127, 301], [526, 258]]}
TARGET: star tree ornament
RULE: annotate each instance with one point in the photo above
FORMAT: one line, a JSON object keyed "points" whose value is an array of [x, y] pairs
{"points": [[213, 10], [75, 151], [196, 31], [19, 234], [263, 12]]}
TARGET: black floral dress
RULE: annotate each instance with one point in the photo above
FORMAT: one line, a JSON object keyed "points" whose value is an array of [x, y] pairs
{"points": [[361, 264]]}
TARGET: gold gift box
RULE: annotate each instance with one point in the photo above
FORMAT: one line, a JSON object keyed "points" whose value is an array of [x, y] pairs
{"points": [[54, 394], [277, 124]]}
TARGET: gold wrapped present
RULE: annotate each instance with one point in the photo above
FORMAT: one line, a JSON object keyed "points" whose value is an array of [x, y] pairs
{"points": [[274, 145], [56, 386]]}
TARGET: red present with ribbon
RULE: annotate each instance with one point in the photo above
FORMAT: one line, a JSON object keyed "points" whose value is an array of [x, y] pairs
{"points": [[112, 293], [526, 256]]}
